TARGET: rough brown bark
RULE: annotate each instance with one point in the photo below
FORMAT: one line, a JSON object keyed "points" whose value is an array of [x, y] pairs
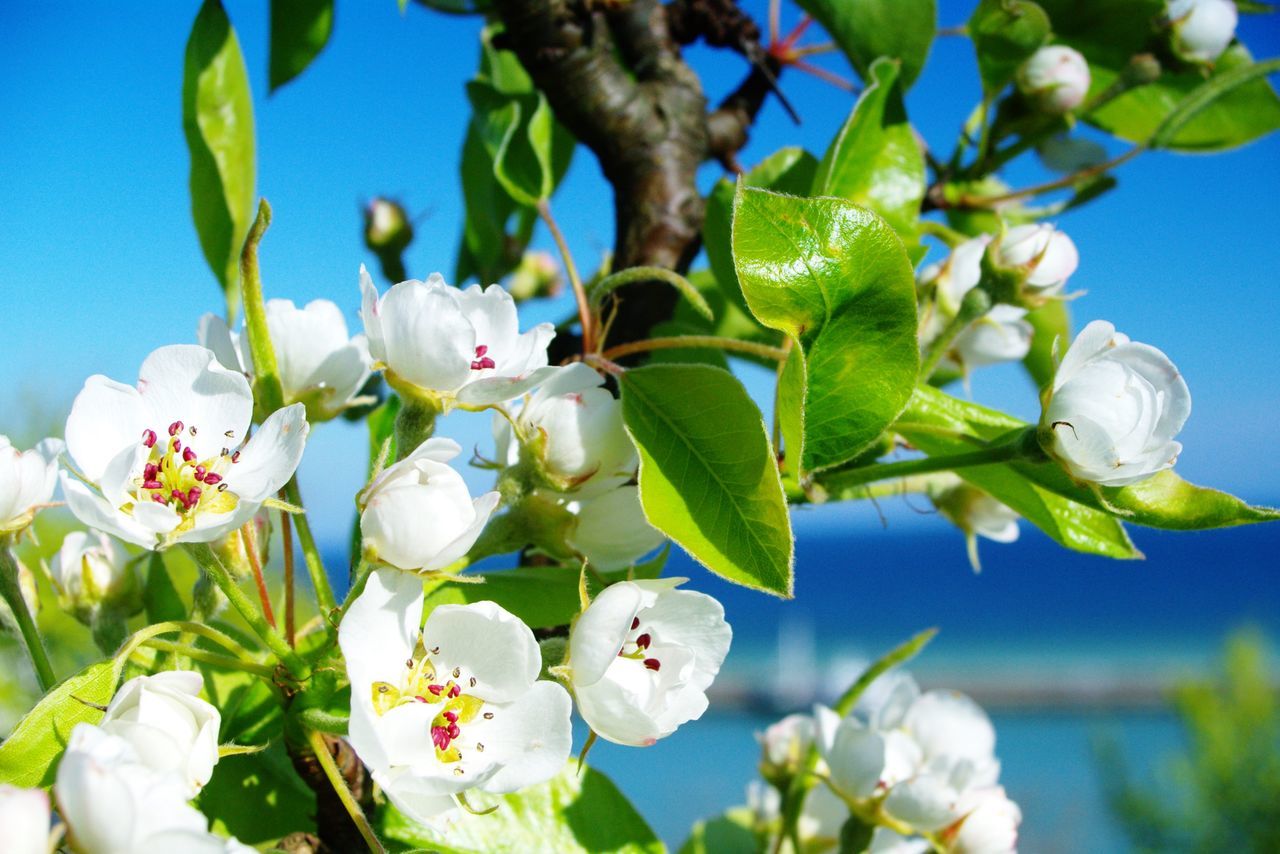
{"points": [[614, 76]]}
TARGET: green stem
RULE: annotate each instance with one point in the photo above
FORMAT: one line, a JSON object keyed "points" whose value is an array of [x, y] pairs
{"points": [[218, 574], [1060, 184], [975, 304], [358, 578], [415, 422], [310, 552], [1017, 448], [11, 590], [331, 771], [225, 661], [733, 345]]}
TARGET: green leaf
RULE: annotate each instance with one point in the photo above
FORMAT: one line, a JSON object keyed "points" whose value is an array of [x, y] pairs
{"points": [[788, 170], [1109, 32], [867, 29], [217, 119], [875, 160], [1051, 322], [1005, 34], [516, 131], [731, 833], [299, 31], [1207, 94], [836, 278], [569, 813], [258, 797], [708, 477], [1161, 501], [29, 756]]}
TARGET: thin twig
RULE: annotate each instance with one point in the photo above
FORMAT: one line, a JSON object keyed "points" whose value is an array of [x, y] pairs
{"points": [[325, 758], [764, 351], [255, 561], [1050, 186], [286, 546], [571, 269]]}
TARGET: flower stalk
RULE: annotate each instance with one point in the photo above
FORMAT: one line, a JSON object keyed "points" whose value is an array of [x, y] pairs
{"points": [[1023, 445], [585, 316], [11, 590], [325, 758]]}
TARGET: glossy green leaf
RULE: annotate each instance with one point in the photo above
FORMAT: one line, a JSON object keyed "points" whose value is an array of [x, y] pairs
{"points": [[299, 31], [517, 133], [217, 119], [1222, 85], [571, 813], [29, 756], [834, 277], [1161, 501], [788, 170], [1051, 322], [708, 476], [281, 802], [867, 29], [1109, 32], [875, 159], [1005, 33]]}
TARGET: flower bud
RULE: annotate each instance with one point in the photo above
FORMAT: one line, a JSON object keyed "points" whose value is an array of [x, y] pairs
{"points": [[784, 746], [27, 481], [24, 820], [169, 726], [1055, 78], [537, 276], [1114, 409], [386, 226], [646, 639], [975, 512], [418, 514], [92, 574], [1202, 29], [612, 531], [233, 549], [1048, 256], [573, 429]]}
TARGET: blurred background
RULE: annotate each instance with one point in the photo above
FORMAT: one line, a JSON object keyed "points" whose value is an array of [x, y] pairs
{"points": [[1077, 658]]}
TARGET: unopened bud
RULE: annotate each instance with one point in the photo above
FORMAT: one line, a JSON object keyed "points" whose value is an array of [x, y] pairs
{"points": [[1142, 69], [784, 747], [537, 276], [386, 226], [1055, 78], [1202, 29], [92, 574]]}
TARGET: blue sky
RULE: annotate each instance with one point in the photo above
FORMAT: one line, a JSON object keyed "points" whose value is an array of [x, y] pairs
{"points": [[99, 261]]}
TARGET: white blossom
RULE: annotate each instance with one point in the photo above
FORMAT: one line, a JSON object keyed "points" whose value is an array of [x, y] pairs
{"points": [[27, 481], [642, 656], [1048, 255], [113, 803], [90, 571], [611, 530], [990, 824], [319, 365], [169, 726], [1001, 335], [418, 514], [785, 744], [24, 820], [454, 706], [573, 426], [168, 461], [452, 346], [1115, 408], [1202, 29], [1056, 78]]}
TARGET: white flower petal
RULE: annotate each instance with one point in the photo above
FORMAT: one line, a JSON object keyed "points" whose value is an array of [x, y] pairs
{"points": [[601, 630], [106, 418], [530, 740], [94, 510], [271, 456], [487, 642], [185, 383]]}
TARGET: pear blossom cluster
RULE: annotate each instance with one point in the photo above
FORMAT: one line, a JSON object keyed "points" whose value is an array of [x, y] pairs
{"points": [[918, 768], [124, 785]]}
